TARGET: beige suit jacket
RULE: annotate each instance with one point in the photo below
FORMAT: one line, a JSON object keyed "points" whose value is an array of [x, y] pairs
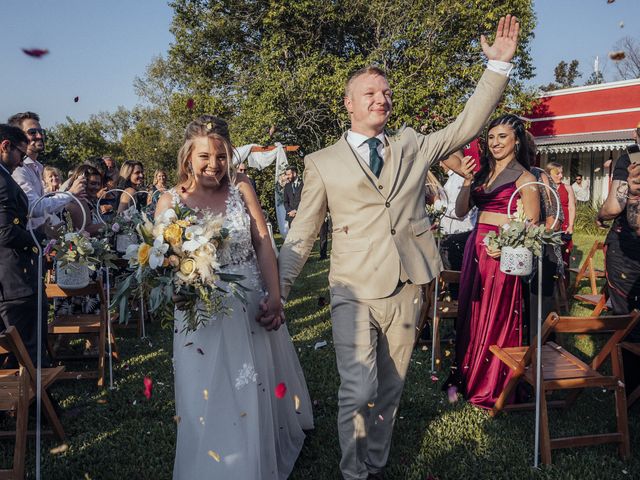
{"points": [[379, 224]]}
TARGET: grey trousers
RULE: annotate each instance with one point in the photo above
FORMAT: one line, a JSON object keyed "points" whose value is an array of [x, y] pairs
{"points": [[373, 341]]}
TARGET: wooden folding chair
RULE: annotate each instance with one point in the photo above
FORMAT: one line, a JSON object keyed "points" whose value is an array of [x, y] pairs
{"points": [[82, 325], [14, 397], [635, 349], [587, 270], [600, 301], [11, 343], [446, 308], [563, 371]]}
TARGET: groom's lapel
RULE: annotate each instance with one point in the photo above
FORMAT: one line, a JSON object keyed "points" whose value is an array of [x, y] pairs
{"points": [[393, 163], [350, 158]]}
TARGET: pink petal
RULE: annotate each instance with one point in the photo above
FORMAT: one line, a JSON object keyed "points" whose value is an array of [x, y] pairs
{"points": [[280, 390], [35, 52]]}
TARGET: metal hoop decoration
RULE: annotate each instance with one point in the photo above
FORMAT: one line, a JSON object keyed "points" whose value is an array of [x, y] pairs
{"points": [[105, 194], [539, 319], [555, 194], [39, 328]]}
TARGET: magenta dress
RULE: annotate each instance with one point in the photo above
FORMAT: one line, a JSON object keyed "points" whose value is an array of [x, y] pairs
{"points": [[489, 309]]}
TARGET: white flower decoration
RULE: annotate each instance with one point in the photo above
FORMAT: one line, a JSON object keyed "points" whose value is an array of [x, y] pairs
{"points": [[156, 255]]}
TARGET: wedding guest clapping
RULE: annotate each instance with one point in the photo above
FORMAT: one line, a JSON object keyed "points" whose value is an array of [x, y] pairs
{"points": [[93, 178]]}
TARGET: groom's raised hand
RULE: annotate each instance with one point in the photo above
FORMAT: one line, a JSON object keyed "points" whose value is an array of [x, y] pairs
{"points": [[506, 41]]}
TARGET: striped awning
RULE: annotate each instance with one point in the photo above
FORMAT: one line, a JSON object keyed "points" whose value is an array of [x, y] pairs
{"points": [[585, 142]]}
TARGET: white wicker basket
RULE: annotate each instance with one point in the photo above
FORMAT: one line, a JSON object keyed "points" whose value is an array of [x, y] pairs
{"points": [[72, 276], [124, 240], [516, 261]]}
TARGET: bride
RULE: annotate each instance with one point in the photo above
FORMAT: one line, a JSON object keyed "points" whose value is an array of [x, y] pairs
{"points": [[241, 398]]}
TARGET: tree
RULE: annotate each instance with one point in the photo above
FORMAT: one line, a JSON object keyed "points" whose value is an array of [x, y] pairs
{"points": [[284, 63], [595, 78], [629, 67], [565, 75]]}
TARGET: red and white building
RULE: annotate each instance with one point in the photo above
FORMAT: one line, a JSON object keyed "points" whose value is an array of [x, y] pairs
{"points": [[586, 129]]}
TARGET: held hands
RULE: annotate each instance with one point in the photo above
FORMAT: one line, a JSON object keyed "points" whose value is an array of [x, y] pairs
{"points": [[271, 313], [292, 213], [506, 41], [493, 253]]}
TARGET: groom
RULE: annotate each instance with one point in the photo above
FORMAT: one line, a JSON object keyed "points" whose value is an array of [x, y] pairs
{"points": [[383, 249]]}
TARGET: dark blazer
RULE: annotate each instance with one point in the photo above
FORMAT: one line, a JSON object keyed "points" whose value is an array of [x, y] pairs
{"points": [[292, 197], [18, 254]]}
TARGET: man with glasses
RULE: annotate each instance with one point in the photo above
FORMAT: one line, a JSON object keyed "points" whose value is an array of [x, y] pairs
{"points": [[29, 175], [18, 253]]}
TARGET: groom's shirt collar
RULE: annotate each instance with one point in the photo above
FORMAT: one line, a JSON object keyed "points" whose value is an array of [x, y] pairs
{"points": [[357, 142]]}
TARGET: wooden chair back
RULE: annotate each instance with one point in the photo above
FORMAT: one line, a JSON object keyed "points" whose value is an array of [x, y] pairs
{"points": [[588, 270]]}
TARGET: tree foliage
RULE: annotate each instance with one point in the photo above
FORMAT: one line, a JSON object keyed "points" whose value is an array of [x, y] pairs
{"points": [[565, 75]]}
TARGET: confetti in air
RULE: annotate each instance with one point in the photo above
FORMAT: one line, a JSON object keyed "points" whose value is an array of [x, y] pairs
{"points": [[190, 104], [76, 99], [434, 378], [35, 52], [205, 394], [617, 56], [280, 390], [148, 387], [214, 455]]}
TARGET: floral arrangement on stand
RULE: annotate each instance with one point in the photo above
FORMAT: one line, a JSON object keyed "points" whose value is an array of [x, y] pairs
{"points": [[178, 255], [518, 240], [121, 229], [76, 253], [435, 212]]}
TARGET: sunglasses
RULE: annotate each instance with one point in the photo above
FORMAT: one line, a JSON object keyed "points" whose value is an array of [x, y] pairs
{"points": [[32, 132]]}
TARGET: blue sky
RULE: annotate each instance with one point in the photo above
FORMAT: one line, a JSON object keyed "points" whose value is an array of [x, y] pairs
{"points": [[97, 48]]}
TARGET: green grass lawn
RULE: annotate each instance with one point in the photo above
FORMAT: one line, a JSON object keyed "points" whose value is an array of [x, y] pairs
{"points": [[119, 434]]}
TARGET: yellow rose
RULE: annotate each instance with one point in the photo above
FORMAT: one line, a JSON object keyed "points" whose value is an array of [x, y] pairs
{"points": [[187, 266], [183, 223], [143, 253], [173, 234]]}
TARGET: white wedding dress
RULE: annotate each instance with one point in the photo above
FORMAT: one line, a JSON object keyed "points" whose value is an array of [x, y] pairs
{"points": [[231, 423]]}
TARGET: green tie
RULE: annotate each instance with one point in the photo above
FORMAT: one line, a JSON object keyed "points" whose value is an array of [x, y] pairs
{"points": [[375, 160]]}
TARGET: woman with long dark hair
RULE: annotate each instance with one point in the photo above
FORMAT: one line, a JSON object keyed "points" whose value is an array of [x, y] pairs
{"points": [[490, 302], [132, 182]]}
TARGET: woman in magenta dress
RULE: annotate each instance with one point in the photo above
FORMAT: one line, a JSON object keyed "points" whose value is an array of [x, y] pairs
{"points": [[490, 302], [568, 203]]}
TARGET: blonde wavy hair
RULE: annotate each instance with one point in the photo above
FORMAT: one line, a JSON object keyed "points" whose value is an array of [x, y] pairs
{"points": [[204, 126]]}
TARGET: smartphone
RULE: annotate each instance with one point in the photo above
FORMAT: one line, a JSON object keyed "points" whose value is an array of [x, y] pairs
{"points": [[634, 153]]}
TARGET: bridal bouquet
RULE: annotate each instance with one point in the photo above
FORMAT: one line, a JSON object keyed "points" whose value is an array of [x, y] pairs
{"points": [[178, 254]]}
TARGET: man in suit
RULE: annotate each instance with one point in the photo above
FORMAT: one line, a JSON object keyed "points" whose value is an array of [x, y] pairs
{"points": [[292, 193], [18, 253], [383, 249]]}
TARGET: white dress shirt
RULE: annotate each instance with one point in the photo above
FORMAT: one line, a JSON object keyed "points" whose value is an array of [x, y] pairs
{"points": [[581, 191], [359, 145], [450, 223], [29, 177]]}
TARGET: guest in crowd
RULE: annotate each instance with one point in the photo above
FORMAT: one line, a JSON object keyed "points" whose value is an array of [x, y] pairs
{"points": [[580, 189], [158, 187], [568, 203], [490, 312], [242, 168], [132, 182], [622, 249], [292, 193], [281, 213], [94, 179], [456, 230], [30, 174], [52, 177], [18, 253], [552, 263], [112, 168]]}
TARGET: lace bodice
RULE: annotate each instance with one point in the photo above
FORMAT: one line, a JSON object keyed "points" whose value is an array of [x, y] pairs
{"points": [[238, 250]]}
